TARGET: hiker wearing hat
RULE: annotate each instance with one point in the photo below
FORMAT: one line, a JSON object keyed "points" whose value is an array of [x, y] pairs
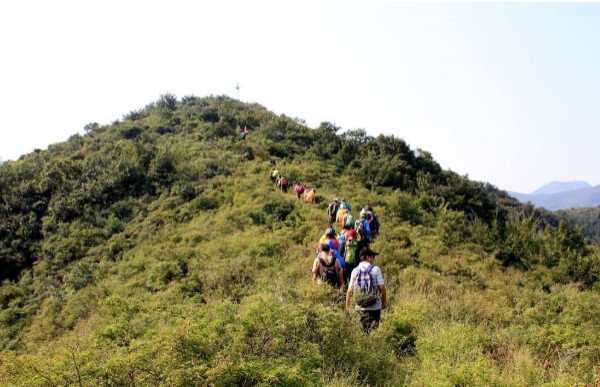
{"points": [[367, 289], [332, 211]]}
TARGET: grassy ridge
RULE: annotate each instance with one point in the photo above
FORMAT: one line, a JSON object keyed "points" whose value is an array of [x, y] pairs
{"points": [[185, 266]]}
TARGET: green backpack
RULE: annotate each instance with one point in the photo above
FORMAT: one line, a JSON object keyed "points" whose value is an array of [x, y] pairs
{"points": [[360, 230], [349, 221], [350, 251]]}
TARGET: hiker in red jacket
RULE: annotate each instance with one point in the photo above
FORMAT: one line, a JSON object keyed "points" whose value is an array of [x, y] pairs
{"points": [[299, 190]]}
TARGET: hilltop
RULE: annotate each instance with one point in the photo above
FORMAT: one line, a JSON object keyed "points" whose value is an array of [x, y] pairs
{"points": [[558, 186], [155, 251]]}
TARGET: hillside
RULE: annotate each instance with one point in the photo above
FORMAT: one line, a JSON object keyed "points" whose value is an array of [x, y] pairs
{"points": [[587, 218], [155, 251], [583, 197]]}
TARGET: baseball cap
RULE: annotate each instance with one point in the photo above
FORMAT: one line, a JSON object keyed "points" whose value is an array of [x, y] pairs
{"points": [[367, 252]]}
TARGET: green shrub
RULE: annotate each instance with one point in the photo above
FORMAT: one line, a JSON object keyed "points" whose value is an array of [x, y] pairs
{"points": [[204, 203], [80, 274], [273, 211], [161, 275]]}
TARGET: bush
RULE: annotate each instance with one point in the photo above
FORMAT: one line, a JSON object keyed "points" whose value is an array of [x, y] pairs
{"points": [[204, 203], [273, 211], [163, 273], [80, 274], [405, 207]]}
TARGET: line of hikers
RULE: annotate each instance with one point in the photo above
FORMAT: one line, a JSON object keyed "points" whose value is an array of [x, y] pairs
{"points": [[348, 258], [302, 192]]}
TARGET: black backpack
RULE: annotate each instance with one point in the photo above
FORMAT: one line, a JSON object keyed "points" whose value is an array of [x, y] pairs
{"points": [[329, 275]]}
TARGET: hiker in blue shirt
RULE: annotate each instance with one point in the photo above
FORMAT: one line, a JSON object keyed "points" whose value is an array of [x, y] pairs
{"points": [[366, 228]]}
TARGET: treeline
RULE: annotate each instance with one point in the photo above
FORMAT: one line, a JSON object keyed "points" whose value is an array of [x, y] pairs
{"points": [[585, 218]]}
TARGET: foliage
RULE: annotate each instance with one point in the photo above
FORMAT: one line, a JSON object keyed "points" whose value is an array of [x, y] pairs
{"points": [[156, 251]]}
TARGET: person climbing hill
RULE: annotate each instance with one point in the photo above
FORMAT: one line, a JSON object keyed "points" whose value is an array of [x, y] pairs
{"points": [[332, 211], [349, 252], [283, 184], [299, 190], [373, 222], [346, 205], [274, 174], [347, 221], [327, 269], [330, 235], [340, 214], [245, 133], [367, 288], [363, 231], [311, 195]]}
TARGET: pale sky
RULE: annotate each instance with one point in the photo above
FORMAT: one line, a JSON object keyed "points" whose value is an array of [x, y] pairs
{"points": [[506, 93]]}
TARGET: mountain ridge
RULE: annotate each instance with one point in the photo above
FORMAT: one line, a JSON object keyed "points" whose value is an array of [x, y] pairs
{"points": [[557, 186], [582, 197]]}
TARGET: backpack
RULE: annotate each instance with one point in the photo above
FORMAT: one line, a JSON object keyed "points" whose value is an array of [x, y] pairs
{"points": [[350, 251], [329, 275], [341, 238], [367, 294], [360, 230], [375, 222], [332, 210], [349, 222]]}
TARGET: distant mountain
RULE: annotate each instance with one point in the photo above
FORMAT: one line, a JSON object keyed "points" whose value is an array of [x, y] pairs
{"points": [[558, 186], [583, 197]]}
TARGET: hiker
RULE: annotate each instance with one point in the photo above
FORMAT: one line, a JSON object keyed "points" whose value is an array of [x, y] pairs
{"points": [[346, 205], [298, 189], [283, 184], [310, 196], [347, 221], [349, 252], [238, 128], [272, 162], [274, 173], [332, 211], [374, 222], [363, 231], [326, 268], [306, 190], [340, 214], [367, 286], [330, 235], [245, 133]]}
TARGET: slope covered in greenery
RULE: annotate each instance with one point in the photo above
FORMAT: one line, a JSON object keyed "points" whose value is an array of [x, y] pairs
{"points": [[155, 252], [587, 218]]}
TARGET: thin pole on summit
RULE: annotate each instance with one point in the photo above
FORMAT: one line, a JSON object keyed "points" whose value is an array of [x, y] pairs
{"points": [[237, 87]]}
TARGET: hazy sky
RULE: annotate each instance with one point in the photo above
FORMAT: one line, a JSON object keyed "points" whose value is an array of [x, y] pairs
{"points": [[506, 93]]}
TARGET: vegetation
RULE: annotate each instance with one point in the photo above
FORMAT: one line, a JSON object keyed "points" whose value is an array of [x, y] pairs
{"points": [[155, 252], [587, 218]]}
